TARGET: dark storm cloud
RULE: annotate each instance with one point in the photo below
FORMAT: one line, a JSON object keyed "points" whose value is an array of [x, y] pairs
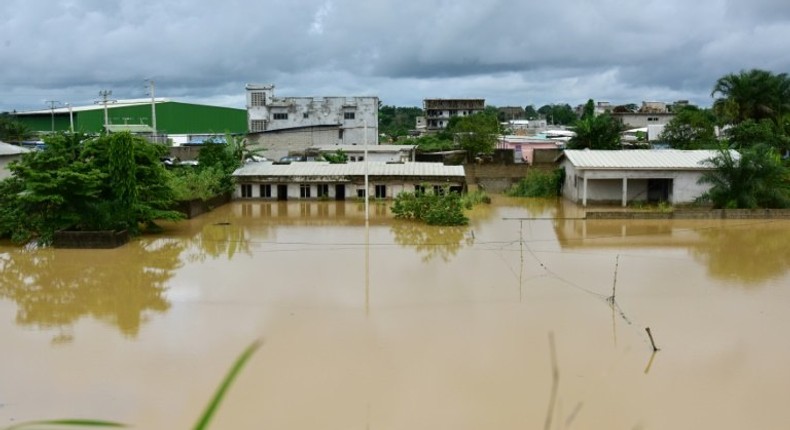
{"points": [[511, 53]]}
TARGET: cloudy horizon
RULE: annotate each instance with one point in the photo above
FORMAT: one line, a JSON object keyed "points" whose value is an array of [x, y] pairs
{"points": [[509, 53]]}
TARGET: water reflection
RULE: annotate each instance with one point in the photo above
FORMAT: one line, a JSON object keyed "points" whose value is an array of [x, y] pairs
{"points": [[431, 241], [55, 288], [750, 252], [745, 253], [220, 239]]}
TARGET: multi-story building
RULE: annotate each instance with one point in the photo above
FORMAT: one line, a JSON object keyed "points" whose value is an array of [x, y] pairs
{"points": [[310, 121], [439, 111]]}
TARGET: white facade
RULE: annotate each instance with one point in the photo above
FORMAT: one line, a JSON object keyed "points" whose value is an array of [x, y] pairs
{"points": [[321, 180], [354, 118], [634, 175], [9, 153]]}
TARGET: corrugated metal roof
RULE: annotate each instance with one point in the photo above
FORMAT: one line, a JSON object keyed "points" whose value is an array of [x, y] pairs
{"points": [[98, 106], [641, 159], [371, 148], [9, 149], [311, 168]]}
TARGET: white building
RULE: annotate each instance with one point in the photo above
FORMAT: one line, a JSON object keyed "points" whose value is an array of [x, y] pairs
{"points": [[438, 112], [378, 153], [320, 180], [9, 153], [634, 175], [296, 123]]}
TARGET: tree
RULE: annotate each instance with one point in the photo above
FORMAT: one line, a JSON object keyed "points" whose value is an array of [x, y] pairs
{"points": [[750, 133], [338, 157], [754, 179], [80, 183], [597, 132], [558, 114], [589, 109], [530, 112], [691, 128], [476, 134], [395, 122], [12, 130], [754, 94]]}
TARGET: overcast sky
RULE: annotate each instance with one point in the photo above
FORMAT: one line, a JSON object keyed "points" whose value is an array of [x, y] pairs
{"points": [[512, 53]]}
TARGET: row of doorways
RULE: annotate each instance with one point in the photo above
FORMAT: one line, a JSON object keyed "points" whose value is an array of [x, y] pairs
{"points": [[282, 192]]}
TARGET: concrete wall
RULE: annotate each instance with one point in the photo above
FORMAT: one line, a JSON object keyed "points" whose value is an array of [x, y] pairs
{"points": [[495, 178], [694, 214], [350, 114], [606, 186], [278, 144], [4, 161], [393, 187]]}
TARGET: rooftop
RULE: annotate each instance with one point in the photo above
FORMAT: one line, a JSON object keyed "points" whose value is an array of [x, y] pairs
{"points": [[638, 159], [314, 168]]}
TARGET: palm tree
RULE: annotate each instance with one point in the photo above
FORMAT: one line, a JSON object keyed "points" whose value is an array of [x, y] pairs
{"points": [[755, 178], [754, 94]]}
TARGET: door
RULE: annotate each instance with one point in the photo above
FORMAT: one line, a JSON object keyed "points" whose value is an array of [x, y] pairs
{"points": [[340, 192], [658, 190], [282, 192]]}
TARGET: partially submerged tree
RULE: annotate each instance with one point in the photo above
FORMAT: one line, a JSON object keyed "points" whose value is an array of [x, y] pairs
{"points": [[112, 182], [755, 178]]}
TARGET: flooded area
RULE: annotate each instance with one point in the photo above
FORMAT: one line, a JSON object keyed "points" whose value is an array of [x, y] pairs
{"points": [[396, 325]]}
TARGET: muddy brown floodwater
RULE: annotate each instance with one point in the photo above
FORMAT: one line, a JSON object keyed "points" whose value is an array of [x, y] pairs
{"points": [[403, 326]]}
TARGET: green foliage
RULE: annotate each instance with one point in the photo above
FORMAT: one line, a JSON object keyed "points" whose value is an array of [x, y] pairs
{"points": [[203, 183], [750, 133], [589, 109], [222, 157], [12, 130], [596, 132], [755, 179], [80, 183], [539, 183], [213, 405], [476, 134], [433, 142], [560, 114], [691, 128], [70, 423], [530, 112], [395, 122], [203, 421], [433, 208], [754, 94], [339, 157]]}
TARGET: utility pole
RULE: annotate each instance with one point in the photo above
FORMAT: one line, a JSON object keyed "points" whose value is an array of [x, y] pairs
{"points": [[71, 118], [52, 104], [105, 94], [153, 105]]}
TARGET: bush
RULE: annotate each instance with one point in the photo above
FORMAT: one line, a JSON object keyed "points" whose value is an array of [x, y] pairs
{"points": [[434, 209], [190, 184], [539, 183]]}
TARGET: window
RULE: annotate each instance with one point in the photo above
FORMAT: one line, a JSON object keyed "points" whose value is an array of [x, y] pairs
{"points": [[381, 191], [438, 190], [257, 125], [456, 189], [361, 158], [304, 191], [305, 115], [258, 99], [266, 190], [652, 118], [352, 158], [322, 190], [340, 134], [419, 189], [361, 193], [246, 191], [348, 115], [280, 115]]}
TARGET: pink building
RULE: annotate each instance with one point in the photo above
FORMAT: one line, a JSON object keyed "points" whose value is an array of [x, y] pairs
{"points": [[524, 146]]}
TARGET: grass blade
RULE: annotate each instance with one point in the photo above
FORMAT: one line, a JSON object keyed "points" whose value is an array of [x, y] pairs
{"points": [[220, 394], [65, 423]]}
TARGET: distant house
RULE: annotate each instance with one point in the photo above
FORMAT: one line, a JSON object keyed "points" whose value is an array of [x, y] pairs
{"points": [[597, 176], [321, 180], [524, 146], [9, 153], [439, 111]]}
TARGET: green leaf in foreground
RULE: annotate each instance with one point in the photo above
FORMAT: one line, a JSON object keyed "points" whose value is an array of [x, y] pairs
{"points": [[64, 423], [231, 376]]}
